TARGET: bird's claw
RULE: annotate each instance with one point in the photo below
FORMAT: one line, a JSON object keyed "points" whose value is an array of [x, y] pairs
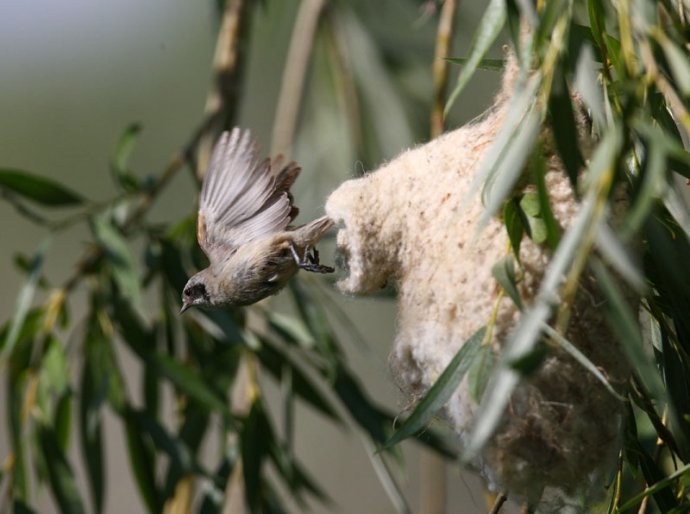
{"points": [[310, 260]]}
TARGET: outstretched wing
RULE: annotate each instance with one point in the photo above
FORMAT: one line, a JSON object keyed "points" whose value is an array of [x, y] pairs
{"points": [[242, 199]]}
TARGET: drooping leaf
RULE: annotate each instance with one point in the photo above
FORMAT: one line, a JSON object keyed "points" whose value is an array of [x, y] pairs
{"points": [[504, 273], [142, 461], [551, 226], [120, 160], [275, 362], [38, 189], [63, 483], [508, 166], [95, 382], [119, 258], [662, 496], [622, 322], [679, 64], [439, 393], [190, 382], [24, 300], [536, 227], [256, 438], [484, 64], [514, 225], [480, 372], [490, 26]]}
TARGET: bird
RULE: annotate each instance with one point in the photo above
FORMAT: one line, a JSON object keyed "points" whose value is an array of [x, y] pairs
{"points": [[243, 227]]}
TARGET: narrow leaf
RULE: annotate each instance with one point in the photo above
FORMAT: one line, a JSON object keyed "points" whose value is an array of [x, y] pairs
{"points": [[625, 326], [489, 28], [679, 63], [551, 226], [119, 258], [142, 460], [480, 372], [439, 393], [582, 359], [514, 225], [24, 300], [62, 480], [39, 189], [504, 273], [484, 64], [511, 163]]}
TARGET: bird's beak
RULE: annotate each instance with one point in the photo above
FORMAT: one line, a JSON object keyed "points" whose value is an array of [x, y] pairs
{"points": [[185, 306]]}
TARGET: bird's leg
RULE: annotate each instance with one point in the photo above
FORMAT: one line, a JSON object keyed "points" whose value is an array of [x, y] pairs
{"points": [[309, 262]]}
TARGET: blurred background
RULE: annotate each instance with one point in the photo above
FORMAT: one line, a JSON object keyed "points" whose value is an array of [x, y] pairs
{"points": [[74, 74]]}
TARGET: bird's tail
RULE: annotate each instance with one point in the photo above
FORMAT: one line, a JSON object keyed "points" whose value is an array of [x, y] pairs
{"points": [[309, 234]]}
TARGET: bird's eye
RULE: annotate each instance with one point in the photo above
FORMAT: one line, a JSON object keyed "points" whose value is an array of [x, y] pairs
{"points": [[188, 291]]}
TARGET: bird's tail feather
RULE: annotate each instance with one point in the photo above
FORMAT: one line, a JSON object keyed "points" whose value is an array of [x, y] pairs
{"points": [[309, 234]]}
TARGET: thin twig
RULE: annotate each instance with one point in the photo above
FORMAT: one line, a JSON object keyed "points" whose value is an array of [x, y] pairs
{"points": [[294, 76], [95, 253], [498, 503], [228, 66], [444, 37]]}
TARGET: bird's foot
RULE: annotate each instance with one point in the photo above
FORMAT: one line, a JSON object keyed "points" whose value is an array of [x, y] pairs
{"points": [[310, 260]]}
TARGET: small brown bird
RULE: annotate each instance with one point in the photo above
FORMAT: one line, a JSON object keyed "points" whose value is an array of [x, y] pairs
{"points": [[245, 208]]}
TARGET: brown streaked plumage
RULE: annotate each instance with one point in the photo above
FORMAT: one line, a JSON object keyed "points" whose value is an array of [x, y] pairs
{"points": [[245, 211]]}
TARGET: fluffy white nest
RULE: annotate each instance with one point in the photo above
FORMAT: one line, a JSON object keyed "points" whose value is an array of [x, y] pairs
{"points": [[406, 222]]}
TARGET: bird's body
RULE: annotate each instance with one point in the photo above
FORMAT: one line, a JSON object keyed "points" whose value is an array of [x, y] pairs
{"points": [[244, 214]]}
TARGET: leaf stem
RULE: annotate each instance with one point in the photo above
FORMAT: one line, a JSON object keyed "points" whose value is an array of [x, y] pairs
{"points": [[440, 65], [294, 76]]}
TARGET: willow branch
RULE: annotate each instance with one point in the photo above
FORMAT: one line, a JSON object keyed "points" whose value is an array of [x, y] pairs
{"points": [[228, 67], [498, 503], [294, 75], [444, 37]]}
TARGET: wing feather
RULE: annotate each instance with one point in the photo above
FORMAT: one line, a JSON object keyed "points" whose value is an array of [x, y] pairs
{"points": [[241, 198]]}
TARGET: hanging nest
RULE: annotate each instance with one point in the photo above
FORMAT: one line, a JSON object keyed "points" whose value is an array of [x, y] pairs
{"points": [[413, 222]]}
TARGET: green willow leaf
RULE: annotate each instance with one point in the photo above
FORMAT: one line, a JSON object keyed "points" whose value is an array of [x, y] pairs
{"points": [[679, 64], [504, 273], [511, 165], [623, 322], [489, 28], [120, 161], [484, 64], [551, 226], [95, 382], [142, 460], [664, 498], [536, 227], [582, 359], [256, 439], [119, 257], [189, 382], [63, 420], [24, 300], [480, 372], [512, 218], [275, 361], [439, 393], [657, 488], [38, 189], [597, 20], [63, 483]]}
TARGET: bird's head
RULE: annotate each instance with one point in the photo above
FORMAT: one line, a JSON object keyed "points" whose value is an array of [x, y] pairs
{"points": [[195, 292]]}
